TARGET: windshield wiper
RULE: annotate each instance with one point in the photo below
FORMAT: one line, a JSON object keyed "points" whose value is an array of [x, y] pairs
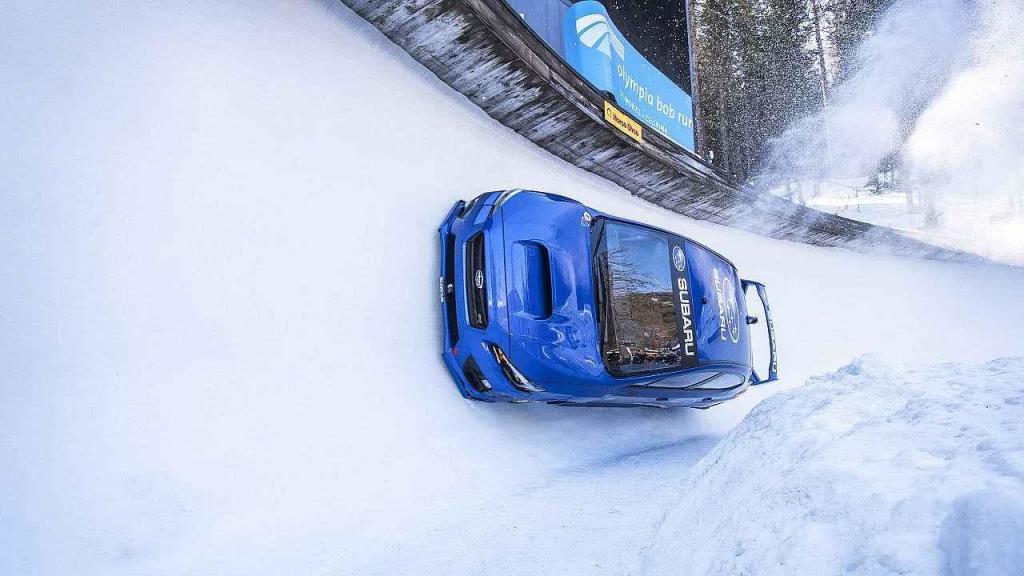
{"points": [[599, 286], [604, 316]]}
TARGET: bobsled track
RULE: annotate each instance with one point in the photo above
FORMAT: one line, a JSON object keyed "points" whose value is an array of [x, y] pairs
{"points": [[486, 51], [219, 338]]}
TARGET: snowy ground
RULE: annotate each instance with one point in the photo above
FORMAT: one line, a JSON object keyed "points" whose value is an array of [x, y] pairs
{"points": [[218, 330], [877, 468]]}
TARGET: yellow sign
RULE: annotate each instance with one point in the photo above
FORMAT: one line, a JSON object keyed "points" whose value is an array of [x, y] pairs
{"points": [[631, 127]]}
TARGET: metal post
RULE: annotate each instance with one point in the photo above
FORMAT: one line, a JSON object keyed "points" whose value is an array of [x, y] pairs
{"points": [[698, 126]]}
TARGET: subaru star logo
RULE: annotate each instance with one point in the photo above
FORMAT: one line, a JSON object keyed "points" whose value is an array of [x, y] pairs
{"points": [[478, 279], [678, 258], [595, 32]]}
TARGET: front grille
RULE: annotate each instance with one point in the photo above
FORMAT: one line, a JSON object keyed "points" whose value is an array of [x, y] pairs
{"points": [[476, 281], [447, 283]]}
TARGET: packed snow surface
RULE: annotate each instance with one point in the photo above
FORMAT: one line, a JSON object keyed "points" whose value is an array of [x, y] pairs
{"points": [[219, 330], [876, 468]]}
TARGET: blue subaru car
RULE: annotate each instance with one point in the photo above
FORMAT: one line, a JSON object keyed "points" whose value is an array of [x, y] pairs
{"points": [[544, 299]]}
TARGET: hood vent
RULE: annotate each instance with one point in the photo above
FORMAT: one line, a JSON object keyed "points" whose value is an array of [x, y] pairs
{"points": [[537, 301]]}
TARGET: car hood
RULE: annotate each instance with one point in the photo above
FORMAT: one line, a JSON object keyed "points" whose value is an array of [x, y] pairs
{"points": [[550, 291]]}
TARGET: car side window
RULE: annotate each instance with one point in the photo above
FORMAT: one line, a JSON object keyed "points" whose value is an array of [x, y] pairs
{"points": [[723, 381], [685, 380]]}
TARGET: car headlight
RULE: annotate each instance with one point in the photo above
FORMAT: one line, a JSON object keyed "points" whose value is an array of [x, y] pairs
{"points": [[512, 374]]}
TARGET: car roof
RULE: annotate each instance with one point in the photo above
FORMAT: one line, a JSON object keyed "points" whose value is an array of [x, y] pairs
{"points": [[607, 216], [669, 232]]}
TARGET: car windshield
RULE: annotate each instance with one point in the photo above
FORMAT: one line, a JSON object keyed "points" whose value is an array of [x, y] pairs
{"points": [[639, 332]]}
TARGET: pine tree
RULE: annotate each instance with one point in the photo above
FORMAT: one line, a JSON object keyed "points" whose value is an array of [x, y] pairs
{"points": [[756, 76], [849, 22], [715, 49]]}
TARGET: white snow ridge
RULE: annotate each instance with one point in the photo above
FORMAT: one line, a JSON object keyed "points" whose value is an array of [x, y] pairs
{"points": [[873, 469]]}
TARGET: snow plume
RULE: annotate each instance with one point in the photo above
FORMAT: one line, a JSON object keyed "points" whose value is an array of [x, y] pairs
{"points": [[942, 81], [900, 69], [968, 146]]}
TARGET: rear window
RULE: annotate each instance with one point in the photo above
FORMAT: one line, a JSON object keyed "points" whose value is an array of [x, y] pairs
{"points": [[638, 313]]}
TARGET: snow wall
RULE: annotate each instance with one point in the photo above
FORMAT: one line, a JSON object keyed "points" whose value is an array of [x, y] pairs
{"points": [[219, 337]]}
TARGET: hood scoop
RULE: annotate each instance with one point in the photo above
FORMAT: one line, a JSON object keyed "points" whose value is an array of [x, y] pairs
{"points": [[531, 278]]}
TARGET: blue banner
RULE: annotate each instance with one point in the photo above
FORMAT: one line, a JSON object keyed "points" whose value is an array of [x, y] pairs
{"points": [[600, 53]]}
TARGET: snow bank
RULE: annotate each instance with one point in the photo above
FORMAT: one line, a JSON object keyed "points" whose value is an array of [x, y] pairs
{"points": [[873, 469], [219, 333]]}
